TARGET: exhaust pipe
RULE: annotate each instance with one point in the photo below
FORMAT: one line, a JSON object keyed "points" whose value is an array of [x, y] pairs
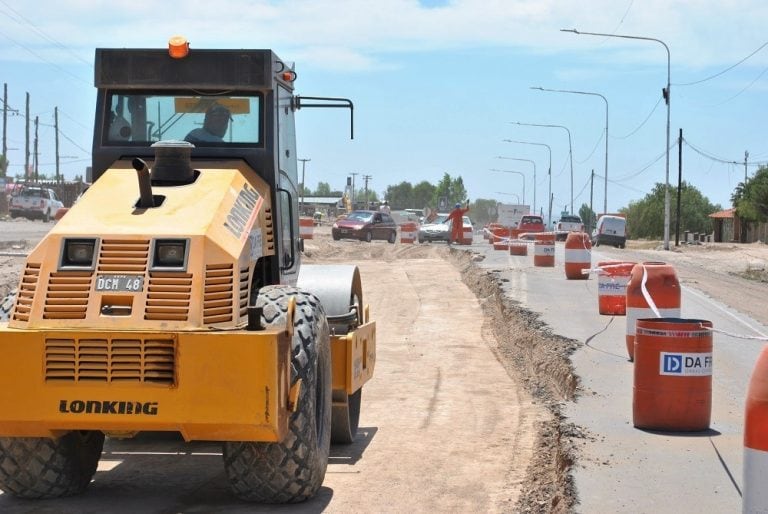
{"points": [[146, 201]]}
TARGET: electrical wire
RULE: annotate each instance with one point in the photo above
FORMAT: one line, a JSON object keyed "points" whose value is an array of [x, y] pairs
{"points": [[644, 168], [593, 149], [643, 123], [723, 71], [721, 159]]}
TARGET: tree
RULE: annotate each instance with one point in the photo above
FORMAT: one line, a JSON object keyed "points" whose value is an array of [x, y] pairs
{"points": [[751, 197], [588, 217], [400, 196], [451, 189], [483, 211], [323, 189], [422, 195], [645, 218], [3, 165]]}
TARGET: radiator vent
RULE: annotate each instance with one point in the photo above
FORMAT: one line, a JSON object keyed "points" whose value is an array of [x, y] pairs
{"points": [[218, 297], [168, 296], [269, 230], [67, 295], [110, 360], [123, 256], [244, 284], [26, 294]]}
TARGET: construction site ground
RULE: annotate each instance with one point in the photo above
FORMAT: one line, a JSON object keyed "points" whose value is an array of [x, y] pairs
{"points": [[485, 396]]}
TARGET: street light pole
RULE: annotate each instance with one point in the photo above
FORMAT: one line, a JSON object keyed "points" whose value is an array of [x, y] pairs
{"points": [[570, 148], [667, 98], [303, 165], [549, 173], [534, 175], [519, 173], [605, 197], [509, 194]]}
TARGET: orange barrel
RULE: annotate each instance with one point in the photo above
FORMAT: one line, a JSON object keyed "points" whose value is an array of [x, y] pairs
{"points": [[673, 374], [305, 227], [578, 256], [612, 279], [544, 250], [408, 232], [755, 494], [501, 244], [498, 233], [466, 236], [662, 288], [518, 247]]}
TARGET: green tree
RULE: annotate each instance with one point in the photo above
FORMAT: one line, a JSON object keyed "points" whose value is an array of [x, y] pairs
{"points": [[423, 192], [483, 211], [400, 196], [452, 189], [3, 165], [588, 217], [645, 218], [323, 189], [751, 197]]}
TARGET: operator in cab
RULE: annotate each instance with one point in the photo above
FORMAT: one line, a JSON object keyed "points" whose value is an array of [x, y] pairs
{"points": [[214, 126]]}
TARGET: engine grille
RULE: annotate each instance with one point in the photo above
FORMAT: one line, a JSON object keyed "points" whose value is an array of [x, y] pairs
{"points": [[67, 295], [111, 360], [245, 280], [168, 296], [117, 255], [218, 295], [26, 293], [269, 230]]}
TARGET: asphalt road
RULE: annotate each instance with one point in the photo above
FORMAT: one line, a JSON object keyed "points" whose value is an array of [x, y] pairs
{"points": [[621, 468]]}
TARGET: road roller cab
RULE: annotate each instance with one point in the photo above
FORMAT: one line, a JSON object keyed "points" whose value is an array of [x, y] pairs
{"points": [[171, 297]]}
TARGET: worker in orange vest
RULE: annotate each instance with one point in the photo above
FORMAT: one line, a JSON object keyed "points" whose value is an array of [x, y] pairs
{"points": [[457, 222]]}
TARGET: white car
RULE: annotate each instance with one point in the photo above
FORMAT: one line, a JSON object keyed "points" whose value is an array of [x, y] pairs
{"points": [[35, 202], [438, 230]]}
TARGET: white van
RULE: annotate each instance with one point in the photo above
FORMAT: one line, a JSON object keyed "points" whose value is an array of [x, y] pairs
{"points": [[610, 230]]}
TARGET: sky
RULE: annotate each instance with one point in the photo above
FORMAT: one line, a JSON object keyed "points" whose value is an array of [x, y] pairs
{"points": [[439, 85]]}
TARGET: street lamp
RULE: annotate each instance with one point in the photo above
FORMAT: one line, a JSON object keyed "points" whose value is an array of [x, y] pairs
{"points": [[667, 98], [549, 173], [303, 165], [519, 173], [510, 194], [534, 175], [605, 198], [570, 147]]}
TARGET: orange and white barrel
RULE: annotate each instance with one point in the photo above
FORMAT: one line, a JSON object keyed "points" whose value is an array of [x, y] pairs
{"points": [[544, 250], [517, 247], [498, 233], [672, 374], [653, 291], [306, 226], [755, 494], [409, 232], [501, 244], [466, 236], [612, 280], [578, 256]]}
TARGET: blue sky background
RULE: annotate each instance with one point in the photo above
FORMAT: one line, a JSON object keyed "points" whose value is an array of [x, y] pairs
{"points": [[437, 85]]}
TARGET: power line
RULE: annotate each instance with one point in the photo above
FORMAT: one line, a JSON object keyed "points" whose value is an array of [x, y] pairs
{"points": [[63, 70], [729, 68], [634, 174], [593, 149], [643, 123], [721, 160]]}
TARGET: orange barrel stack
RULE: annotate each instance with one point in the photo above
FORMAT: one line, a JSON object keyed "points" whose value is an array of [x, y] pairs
{"points": [[755, 494], [544, 250], [612, 279], [306, 226], [466, 236], [654, 281], [517, 247], [673, 374], [498, 233], [578, 256], [409, 232]]}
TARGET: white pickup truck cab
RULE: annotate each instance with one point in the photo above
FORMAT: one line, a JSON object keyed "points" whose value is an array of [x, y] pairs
{"points": [[35, 202]]}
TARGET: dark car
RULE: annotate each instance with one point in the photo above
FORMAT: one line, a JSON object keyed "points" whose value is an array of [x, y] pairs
{"points": [[365, 226]]}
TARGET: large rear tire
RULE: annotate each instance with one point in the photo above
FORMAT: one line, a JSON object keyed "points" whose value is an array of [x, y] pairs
{"points": [[294, 469], [38, 467]]}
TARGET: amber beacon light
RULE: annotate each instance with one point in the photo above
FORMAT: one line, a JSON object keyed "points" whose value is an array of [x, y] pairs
{"points": [[178, 47]]}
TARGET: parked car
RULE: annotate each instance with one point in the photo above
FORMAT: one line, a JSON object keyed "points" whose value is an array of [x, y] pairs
{"points": [[438, 230], [531, 223], [568, 224], [365, 226], [611, 230], [35, 202]]}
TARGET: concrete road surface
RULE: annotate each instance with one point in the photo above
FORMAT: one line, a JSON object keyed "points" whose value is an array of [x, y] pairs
{"points": [[620, 468]]}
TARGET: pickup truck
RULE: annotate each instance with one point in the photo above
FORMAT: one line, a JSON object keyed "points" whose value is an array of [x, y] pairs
{"points": [[568, 224], [531, 223], [35, 202]]}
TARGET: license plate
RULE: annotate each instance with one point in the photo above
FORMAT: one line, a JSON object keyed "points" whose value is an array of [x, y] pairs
{"points": [[344, 231], [129, 283]]}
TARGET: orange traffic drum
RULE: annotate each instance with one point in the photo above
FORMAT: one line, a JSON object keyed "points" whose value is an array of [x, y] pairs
{"points": [[409, 232], [578, 256], [612, 280], [650, 283], [755, 494], [673, 374], [544, 250]]}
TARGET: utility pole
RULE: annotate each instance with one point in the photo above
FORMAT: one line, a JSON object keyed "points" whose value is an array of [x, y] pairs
{"points": [[36, 161], [26, 149], [679, 185], [366, 178], [591, 194], [303, 164], [5, 119], [56, 129], [353, 189], [746, 156]]}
